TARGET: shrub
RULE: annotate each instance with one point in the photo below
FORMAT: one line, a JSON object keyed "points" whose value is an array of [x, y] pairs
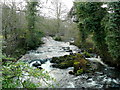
{"points": [[57, 38], [14, 72]]}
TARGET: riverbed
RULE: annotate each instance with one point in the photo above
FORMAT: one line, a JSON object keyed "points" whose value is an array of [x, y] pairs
{"points": [[107, 77]]}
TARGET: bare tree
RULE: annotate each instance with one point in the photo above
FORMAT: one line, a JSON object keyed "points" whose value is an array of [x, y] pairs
{"points": [[59, 10]]}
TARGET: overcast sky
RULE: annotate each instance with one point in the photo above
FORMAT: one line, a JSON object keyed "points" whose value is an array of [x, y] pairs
{"points": [[49, 13], [45, 11]]}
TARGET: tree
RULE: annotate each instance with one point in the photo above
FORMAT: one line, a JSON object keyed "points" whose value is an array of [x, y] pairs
{"points": [[34, 32], [113, 31], [10, 28], [90, 16], [59, 10], [31, 18], [19, 29]]}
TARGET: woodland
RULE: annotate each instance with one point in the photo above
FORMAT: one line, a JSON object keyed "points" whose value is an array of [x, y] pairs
{"points": [[93, 27]]}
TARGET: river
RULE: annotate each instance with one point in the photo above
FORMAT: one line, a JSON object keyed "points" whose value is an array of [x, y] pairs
{"points": [[107, 77]]}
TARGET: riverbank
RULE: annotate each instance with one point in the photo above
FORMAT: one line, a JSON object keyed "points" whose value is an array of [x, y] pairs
{"points": [[105, 77]]}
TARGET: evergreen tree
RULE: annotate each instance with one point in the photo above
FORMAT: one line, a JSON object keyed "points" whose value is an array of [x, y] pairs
{"points": [[90, 15], [113, 31], [31, 15]]}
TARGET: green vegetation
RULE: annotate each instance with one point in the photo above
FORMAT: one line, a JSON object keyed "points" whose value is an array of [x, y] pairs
{"points": [[95, 30], [113, 32], [80, 71], [103, 24], [20, 32], [57, 38], [31, 15], [13, 74], [77, 61], [90, 16], [86, 54]]}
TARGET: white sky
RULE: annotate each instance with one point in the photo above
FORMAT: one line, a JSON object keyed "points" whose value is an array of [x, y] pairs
{"points": [[68, 3], [50, 13], [47, 12]]}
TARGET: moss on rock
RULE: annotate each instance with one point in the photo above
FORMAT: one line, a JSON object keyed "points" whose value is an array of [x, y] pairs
{"points": [[86, 54], [80, 71], [80, 64], [66, 64]]}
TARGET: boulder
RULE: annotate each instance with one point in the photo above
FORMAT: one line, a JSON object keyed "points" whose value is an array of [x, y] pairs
{"points": [[71, 72], [36, 64], [66, 48], [39, 67], [76, 60]]}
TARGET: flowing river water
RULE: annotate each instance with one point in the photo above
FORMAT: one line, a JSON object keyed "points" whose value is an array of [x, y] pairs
{"points": [[107, 77]]}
